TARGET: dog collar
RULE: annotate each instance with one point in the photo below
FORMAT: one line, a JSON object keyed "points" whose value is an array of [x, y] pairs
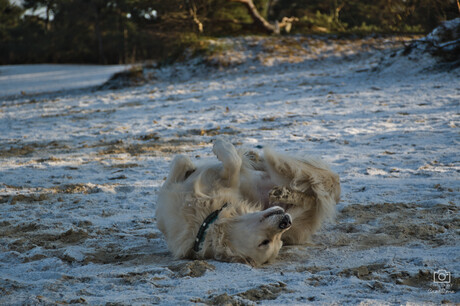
{"points": [[204, 226]]}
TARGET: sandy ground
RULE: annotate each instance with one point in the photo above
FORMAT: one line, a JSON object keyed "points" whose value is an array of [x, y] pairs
{"points": [[79, 172]]}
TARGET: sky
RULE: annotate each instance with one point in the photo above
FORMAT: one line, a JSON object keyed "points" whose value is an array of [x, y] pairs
{"points": [[30, 12]]}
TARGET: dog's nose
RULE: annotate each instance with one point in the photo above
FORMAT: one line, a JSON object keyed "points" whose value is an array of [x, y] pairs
{"points": [[285, 222]]}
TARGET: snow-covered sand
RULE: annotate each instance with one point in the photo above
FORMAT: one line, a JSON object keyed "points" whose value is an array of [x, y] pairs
{"points": [[79, 172]]}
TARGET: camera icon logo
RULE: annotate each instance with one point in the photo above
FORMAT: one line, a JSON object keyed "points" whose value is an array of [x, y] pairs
{"points": [[441, 277]]}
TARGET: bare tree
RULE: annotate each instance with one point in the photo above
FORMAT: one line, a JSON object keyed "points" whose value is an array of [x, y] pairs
{"points": [[256, 17], [261, 22], [193, 11]]}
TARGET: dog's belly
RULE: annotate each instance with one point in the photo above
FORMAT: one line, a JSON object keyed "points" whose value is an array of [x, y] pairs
{"points": [[263, 185]]}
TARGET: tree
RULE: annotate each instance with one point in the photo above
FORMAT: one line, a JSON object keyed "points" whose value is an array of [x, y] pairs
{"points": [[48, 5], [120, 31], [218, 12], [257, 18], [10, 15]]}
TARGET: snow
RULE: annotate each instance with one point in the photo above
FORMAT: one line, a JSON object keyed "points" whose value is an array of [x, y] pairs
{"points": [[80, 171], [33, 79]]}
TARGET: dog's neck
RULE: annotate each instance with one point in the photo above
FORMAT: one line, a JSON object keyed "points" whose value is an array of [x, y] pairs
{"points": [[216, 243], [204, 226], [215, 237]]}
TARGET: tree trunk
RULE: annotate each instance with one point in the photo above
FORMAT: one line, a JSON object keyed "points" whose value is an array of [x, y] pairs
{"points": [[192, 10], [336, 13], [336, 10], [99, 38], [122, 53], [258, 19], [47, 20]]}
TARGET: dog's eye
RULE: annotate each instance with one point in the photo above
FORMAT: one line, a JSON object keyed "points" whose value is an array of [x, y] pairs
{"points": [[265, 242]]}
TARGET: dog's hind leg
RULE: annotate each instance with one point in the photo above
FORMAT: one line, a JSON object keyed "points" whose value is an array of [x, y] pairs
{"points": [[297, 176], [231, 162], [181, 167], [308, 186], [286, 195]]}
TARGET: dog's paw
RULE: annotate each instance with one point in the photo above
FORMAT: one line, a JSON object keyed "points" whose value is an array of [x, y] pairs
{"points": [[226, 153], [253, 156], [223, 148], [285, 195], [280, 194]]}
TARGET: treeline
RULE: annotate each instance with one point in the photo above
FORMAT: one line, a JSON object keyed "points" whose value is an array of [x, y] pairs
{"points": [[125, 31]]}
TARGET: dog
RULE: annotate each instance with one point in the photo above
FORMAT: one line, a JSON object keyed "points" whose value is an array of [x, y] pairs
{"points": [[243, 207]]}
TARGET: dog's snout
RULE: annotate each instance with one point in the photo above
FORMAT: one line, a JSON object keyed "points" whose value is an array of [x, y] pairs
{"points": [[285, 222], [276, 210]]}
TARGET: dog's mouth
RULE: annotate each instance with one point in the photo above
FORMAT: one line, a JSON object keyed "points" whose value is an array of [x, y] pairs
{"points": [[272, 212], [285, 220]]}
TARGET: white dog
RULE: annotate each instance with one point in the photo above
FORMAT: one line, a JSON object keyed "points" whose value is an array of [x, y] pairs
{"points": [[244, 207]]}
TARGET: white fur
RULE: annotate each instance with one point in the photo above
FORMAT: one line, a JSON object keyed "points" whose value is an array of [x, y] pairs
{"points": [[254, 187]]}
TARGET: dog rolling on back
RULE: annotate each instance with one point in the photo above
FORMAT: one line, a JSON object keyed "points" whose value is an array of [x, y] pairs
{"points": [[243, 207]]}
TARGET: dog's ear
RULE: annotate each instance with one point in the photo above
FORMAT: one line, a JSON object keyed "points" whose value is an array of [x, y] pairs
{"points": [[224, 250], [249, 261]]}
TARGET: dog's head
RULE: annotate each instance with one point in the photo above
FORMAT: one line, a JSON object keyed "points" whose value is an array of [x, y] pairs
{"points": [[255, 238]]}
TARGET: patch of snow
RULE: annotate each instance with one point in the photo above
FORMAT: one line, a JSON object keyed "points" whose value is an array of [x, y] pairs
{"points": [[42, 78]]}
